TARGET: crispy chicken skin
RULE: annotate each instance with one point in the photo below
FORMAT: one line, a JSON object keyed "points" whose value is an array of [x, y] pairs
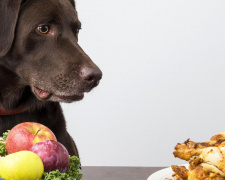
{"points": [[198, 173], [188, 149], [206, 159], [180, 171]]}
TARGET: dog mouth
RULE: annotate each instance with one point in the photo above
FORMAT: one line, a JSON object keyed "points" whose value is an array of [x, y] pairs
{"points": [[41, 93], [44, 95]]}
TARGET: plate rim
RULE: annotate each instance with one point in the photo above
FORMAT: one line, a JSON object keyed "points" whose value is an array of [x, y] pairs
{"points": [[163, 173]]}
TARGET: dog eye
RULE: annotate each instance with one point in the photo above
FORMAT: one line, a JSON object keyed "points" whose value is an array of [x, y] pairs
{"points": [[77, 31], [43, 29]]}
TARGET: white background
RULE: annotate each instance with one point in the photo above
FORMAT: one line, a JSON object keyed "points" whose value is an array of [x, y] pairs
{"points": [[164, 79]]}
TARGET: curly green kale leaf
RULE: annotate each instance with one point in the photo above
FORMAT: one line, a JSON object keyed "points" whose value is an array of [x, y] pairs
{"points": [[2, 144], [2, 149], [5, 134], [73, 172]]}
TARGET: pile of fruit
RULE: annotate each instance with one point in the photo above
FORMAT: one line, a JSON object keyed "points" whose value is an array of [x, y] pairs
{"points": [[30, 151]]}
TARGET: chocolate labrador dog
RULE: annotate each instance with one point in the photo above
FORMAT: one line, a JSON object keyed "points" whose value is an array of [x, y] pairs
{"points": [[42, 64]]}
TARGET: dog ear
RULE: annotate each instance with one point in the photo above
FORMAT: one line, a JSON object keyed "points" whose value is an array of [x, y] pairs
{"points": [[9, 10]]}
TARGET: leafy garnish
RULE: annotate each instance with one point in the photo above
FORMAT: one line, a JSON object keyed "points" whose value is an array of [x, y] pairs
{"points": [[2, 144], [73, 172], [75, 167], [5, 134], [2, 149]]}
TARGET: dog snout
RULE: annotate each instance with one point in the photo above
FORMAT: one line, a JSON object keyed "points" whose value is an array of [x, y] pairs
{"points": [[90, 75]]}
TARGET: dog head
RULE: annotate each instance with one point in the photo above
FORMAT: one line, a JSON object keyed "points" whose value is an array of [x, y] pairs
{"points": [[39, 42]]}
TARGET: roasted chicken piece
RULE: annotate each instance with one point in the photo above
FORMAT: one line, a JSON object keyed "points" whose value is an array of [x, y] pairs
{"points": [[206, 160], [198, 173], [189, 149], [180, 171]]}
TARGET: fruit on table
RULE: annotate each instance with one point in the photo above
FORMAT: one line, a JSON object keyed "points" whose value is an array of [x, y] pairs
{"points": [[53, 155], [23, 165], [24, 135]]}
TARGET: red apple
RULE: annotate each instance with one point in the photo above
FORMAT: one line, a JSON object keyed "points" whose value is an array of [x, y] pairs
{"points": [[53, 155], [24, 135]]}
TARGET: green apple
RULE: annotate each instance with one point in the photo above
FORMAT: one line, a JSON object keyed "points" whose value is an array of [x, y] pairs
{"points": [[22, 165]]}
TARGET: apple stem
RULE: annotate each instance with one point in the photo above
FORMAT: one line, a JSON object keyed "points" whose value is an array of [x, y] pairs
{"points": [[38, 131]]}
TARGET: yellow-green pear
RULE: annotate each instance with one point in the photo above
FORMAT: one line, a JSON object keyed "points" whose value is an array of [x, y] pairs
{"points": [[22, 165]]}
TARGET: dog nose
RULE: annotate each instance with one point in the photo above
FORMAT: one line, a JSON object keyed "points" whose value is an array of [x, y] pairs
{"points": [[91, 75]]}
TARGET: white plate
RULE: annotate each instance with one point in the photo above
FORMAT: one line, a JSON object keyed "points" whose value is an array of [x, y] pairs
{"points": [[163, 173]]}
